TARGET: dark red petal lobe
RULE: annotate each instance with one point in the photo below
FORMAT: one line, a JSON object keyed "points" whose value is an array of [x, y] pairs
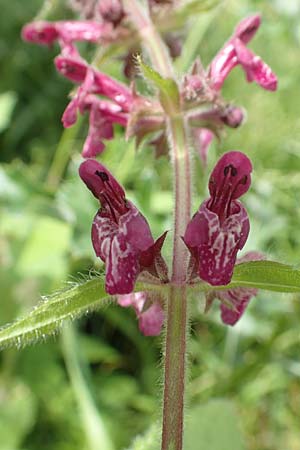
{"points": [[215, 245], [137, 229], [122, 267], [99, 128], [232, 173], [40, 32], [72, 67], [239, 298], [202, 140], [247, 28], [152, 320], [120, 257], [96, 177]]}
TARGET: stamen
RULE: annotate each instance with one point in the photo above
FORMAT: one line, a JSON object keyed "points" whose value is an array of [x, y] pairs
{"points": [[115, 203]]}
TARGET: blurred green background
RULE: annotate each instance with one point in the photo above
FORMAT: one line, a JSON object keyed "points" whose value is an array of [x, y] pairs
{"points": [[98, 384]]}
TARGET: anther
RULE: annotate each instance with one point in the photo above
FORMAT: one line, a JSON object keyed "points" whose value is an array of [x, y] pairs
{"points": [[102, 175], [232, 168]]}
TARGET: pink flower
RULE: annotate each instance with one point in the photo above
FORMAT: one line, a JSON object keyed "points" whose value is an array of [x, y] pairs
{"points": [[202, 139], [66, 32], [72, 66], [235, 52], [121, 236], [111, 11], [235, 301], [149, 312], [102, 113], [221, 226]]}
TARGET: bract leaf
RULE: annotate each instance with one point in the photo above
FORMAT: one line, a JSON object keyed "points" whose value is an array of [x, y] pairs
{"points": [[47, 317], [267, 275], [167, 87]]}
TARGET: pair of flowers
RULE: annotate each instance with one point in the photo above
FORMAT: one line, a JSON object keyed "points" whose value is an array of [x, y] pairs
{"points": [[122, 238]]}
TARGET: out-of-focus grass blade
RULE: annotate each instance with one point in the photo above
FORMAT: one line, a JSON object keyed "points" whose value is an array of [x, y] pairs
{"points": [[93, 424]]}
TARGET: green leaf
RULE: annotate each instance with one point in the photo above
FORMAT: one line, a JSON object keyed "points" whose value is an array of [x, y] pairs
{"points": [[167, 87], [268, 275], [213, 426], [52, 311]]}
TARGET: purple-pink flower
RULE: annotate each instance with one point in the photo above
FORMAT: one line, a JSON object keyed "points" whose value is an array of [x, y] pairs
{"points": [[201, 88], [148, 310], [235, 52], [220, 227], [102, 113], [121, 236], [235, 301], [65, 32]]}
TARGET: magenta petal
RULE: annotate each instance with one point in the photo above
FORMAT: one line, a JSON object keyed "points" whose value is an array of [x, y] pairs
{"points": [[137, 231], [99, 129], [255, 68], [151, 320], [247, 28], [202, 140], [76, 30], [230, 177], [70, 114], [43, 32], [222, 65], [136, 300], [215, 245], [112, 112], [122, 267], [96, 177], [113, 89], [238, 298], [70, 64], [40, 32], [114, 244]]}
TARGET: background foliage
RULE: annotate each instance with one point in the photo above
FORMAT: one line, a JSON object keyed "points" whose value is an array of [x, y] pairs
{"points": [[98, 384]]}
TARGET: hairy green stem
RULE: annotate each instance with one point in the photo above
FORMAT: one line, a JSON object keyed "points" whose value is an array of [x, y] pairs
{"points": [[176, 333], [182, 186], [150, 37], [175, 361], [175, 350]]}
